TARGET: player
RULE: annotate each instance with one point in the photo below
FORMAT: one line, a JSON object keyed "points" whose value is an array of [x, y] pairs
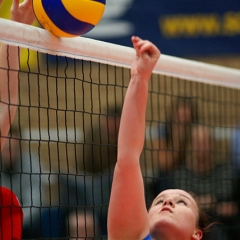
{"points": [[9, 66], [174, 213], [11, 226]]}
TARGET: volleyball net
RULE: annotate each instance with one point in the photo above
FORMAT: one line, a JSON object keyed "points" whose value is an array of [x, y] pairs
{"points": [[71, 93]]}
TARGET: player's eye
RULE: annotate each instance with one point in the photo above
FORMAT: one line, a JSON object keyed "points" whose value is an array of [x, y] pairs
{"points": [[182, 202], [159, 202]]}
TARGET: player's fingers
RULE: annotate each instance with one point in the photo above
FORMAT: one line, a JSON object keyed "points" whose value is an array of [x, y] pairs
{"points": [[27, 3], [135, 38], [140, 45], [135, 41], [144, 47], [15, 5], [149, 48]]}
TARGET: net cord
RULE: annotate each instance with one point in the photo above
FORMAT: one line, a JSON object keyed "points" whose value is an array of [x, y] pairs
{"points": [[41, 40]]}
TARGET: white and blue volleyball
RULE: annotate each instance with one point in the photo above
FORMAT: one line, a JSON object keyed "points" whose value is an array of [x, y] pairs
{"points": [[69, 18]]}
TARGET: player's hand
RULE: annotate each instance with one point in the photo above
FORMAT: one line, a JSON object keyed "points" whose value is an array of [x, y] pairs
{"points": [[22, 12], [147, 55]]}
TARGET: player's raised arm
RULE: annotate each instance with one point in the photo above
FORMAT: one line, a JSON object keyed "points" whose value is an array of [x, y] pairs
{"points": [[128, 218], [9, 67]]}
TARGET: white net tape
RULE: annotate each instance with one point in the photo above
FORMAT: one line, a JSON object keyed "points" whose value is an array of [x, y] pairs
{"points": [[40, 40]]}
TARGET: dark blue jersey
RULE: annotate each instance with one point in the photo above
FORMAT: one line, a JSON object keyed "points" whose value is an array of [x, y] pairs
{"points": [[148, 237]]}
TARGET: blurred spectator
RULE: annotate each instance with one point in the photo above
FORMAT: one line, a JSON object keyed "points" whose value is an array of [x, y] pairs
{"points": [[99, 152], [212, 181], [235, 156], [90, 188], [170, 141], [236, 151], [81, 225], [21, 173]]}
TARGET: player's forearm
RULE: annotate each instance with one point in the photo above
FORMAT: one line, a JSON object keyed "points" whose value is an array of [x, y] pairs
{"points": [[9, 57], [9, 68], [132, 128]]}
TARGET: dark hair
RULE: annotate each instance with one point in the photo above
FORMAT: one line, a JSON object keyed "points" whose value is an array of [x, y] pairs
{"points": [[113, 110], [14, 131], [98, 154], [205, 222], [185, 102], [181, 101]]}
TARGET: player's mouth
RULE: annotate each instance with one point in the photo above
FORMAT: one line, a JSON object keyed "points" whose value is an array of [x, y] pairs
{"points": [[166, 209]]}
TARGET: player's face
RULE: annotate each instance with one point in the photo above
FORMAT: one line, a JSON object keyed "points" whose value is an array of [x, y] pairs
{"points": [[174, 213], [184, 114]]}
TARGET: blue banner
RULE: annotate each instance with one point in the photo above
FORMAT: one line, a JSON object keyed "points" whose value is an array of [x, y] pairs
{"points": [[178, 27]]}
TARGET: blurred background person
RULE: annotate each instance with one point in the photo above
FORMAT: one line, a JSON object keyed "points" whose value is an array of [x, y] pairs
{"points": [[236, 150], [90, 187], [99, 151], [21, 172], [170, 141], [210, 179], [80, 224]]}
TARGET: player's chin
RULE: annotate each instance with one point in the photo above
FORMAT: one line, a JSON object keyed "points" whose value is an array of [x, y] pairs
{"points": [[161, 224]]}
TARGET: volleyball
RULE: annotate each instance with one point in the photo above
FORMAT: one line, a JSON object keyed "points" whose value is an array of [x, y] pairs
{"points": [[69, 18]]}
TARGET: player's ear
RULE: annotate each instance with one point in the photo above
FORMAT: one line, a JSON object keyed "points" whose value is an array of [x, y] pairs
{"points": [[197, 235]]}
